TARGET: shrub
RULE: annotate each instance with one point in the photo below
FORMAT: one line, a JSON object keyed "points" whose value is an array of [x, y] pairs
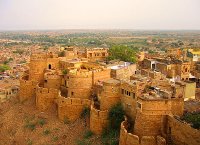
{"points": [[46, 132], [64, 72], [66, 120], [116, 116], [30, 125], [55, 138], [193, 118], [82, 142], [110, 134], [41, 122], [85, 112], [61, 54], [88, 134], [4, 67]]}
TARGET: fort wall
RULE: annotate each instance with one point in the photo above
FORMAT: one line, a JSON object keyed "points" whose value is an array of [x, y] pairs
{"points": [[110, 94], [71, 108], [37, 65], [182, 133], [127, 138], [52, 63], [79, 86], [27, 88], [148, 125], [45, 97], [52, 81], [98, 120]]}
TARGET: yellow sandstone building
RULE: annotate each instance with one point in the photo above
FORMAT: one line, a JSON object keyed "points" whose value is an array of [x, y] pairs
{"points": [[152, 93]]}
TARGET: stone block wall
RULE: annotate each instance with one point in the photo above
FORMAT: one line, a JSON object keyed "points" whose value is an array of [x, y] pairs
{"points": [[133, 139], [27, 88], [79, 86], [182, 133], [148, 125], [110, 94], [71, 108], [52, 81], [37, 65], [98, 120], [101, 75], [53, 62], [45, 97], [123, 73]]}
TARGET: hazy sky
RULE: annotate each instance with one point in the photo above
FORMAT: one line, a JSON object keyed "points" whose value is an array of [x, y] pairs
{"points": [[99, 14]]}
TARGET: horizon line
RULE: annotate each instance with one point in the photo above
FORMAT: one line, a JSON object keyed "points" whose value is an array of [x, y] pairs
{"points": [[101, 29]]}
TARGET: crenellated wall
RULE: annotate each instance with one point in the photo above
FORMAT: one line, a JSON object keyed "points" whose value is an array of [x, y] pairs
{"points": [[127, 138], [71, 108], [27, 88], [98, 120], [45, 97], [182, 133]]}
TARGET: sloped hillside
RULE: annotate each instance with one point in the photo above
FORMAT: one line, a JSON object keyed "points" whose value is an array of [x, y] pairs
{"points": [[24, 124]]}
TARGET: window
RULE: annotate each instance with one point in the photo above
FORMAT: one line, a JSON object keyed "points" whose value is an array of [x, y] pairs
{"points": [[122, 91], [49, 66], [129, 93], [45, 81], [72, 93]]}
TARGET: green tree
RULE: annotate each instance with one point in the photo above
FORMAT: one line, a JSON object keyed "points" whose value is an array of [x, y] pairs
{"points": [[4, 68], [123, 53]]}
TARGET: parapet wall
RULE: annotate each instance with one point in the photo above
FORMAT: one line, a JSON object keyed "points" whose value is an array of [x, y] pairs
{"points": [[98, 120], [182, 133], [45, 97], [71, 108], [27, 88], [38, 56], [131, 139]]}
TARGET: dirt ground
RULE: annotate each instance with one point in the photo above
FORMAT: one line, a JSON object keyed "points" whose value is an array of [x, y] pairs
{"points": [[24, 124]]}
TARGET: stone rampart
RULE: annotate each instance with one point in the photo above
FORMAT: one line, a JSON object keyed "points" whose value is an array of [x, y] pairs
{"points": [[71, 108], [45, 97], [182, 133], [27, 88], [127, 138], [98, 120]]}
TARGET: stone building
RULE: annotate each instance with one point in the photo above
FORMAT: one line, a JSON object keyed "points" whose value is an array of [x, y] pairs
{"points": [[150, 97]]}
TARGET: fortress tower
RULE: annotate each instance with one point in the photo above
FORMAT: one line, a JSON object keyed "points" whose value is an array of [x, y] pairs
{"points": [[38, 62]]}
